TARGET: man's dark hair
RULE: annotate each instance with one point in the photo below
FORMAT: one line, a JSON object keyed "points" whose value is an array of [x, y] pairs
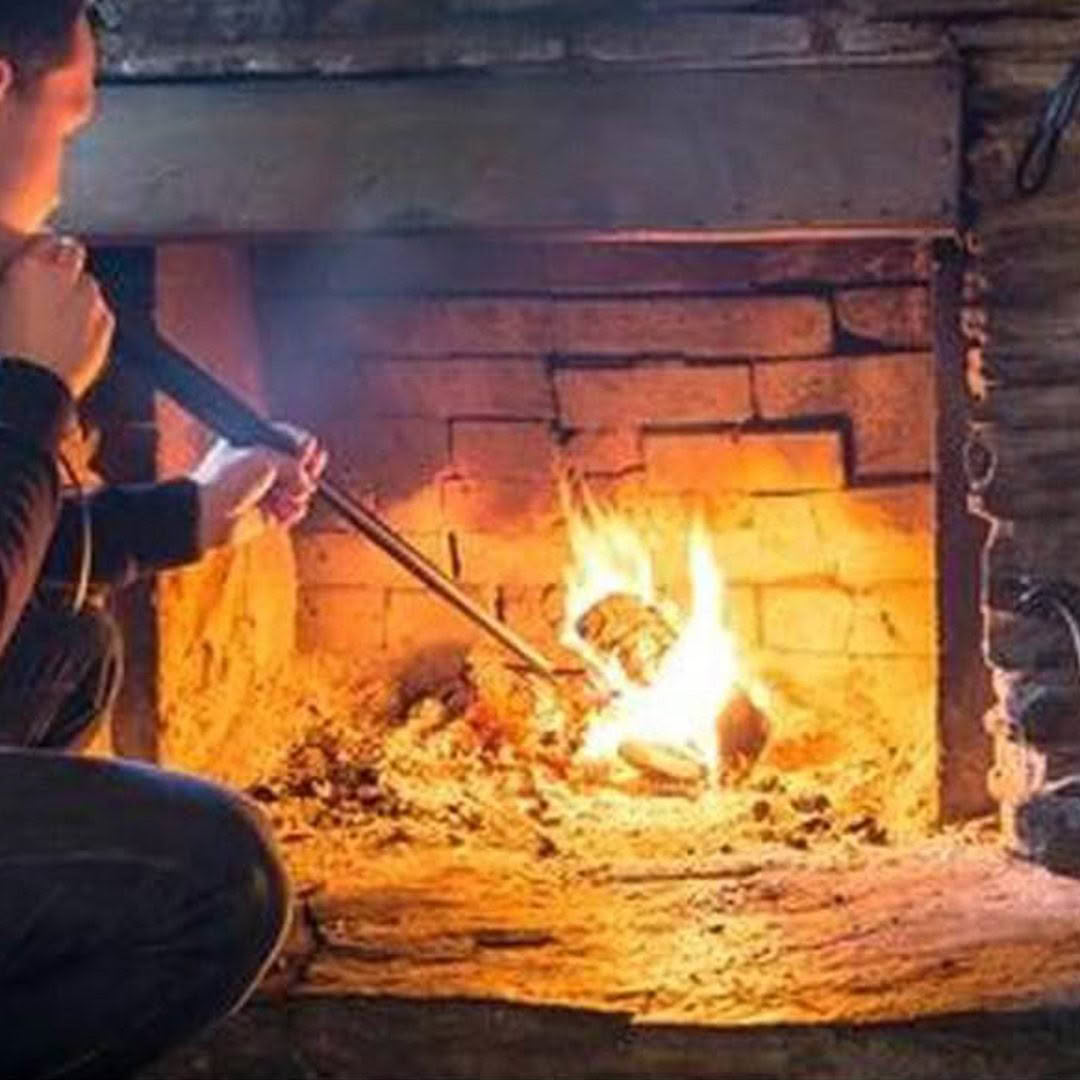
{"points": [[36, 35]]}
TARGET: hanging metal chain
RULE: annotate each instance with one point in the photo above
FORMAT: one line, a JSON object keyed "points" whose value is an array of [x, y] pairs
{"points": [[1041, 151]]}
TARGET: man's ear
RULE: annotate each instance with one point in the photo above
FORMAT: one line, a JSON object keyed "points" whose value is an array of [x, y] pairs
{"points": [[7, 78]]}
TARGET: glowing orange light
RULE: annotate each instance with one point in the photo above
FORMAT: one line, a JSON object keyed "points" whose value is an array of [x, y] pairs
{"points": [[696, 677]]}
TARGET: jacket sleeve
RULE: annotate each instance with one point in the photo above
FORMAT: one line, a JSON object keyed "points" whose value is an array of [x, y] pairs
{"points": [[134, 530], [35, 410]]}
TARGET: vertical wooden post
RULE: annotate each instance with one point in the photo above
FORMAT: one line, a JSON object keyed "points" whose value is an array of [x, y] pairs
{"points": [[964, 691]]}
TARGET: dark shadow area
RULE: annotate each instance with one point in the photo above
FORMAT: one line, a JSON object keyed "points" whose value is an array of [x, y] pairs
{"points": [[382, 1039]]}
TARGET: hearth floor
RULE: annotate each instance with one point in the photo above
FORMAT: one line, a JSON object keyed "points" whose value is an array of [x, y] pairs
{"points": [[432, 865], [951, 924]]}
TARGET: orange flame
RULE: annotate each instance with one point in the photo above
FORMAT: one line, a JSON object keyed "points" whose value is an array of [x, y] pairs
{"points": [[700, 672]]}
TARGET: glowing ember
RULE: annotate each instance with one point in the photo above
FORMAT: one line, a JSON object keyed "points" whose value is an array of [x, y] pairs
{"points": [[691, 679]]}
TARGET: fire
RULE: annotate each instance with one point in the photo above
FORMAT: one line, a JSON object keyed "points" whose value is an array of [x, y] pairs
{"points": [[694, 678]]}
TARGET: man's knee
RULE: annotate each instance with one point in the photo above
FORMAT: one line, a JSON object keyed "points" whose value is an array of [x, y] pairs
{"points": [[260, 896]]}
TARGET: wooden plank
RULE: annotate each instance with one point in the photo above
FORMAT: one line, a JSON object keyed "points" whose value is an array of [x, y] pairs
{"points": [[1050, 36], [964, 691], [945, 10], [700, 151]]}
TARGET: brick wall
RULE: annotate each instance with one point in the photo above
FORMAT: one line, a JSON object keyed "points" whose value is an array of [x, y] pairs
{"points": [[797, 414], [198, 640]]}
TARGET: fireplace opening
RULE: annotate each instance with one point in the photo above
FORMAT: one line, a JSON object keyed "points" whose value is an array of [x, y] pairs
{"points": [[706, 480], [628, 473]]}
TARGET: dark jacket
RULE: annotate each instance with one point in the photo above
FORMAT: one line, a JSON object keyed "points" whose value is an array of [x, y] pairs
{"points": [[134, 529]]}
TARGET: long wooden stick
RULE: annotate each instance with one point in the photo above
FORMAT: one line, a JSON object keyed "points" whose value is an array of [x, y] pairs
{"points": [[139, 343]]}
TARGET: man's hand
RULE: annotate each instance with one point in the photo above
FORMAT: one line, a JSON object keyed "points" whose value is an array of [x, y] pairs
{"points": [[245, 491], [52, 312]]}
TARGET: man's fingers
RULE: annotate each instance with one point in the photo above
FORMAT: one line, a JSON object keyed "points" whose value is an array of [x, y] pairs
{"points": [[38, 247], [70, 255], [318, 463], [62, 252], [300, 476], [310, 454], [284, 509], [292, 478]]}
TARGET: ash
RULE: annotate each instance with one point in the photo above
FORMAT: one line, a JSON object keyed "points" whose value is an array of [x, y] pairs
{"points": [[476, 756]]}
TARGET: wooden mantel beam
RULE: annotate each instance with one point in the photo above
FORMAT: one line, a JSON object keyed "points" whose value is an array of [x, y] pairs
{"points": [[793, 148]]}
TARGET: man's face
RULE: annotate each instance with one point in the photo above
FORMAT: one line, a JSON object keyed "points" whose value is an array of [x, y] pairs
{"points": [[36, 122]]}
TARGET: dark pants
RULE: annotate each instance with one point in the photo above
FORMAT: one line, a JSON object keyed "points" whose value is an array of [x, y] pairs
{"points": [[136, 906]]}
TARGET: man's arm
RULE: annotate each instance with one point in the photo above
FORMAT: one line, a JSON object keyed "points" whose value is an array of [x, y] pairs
{"points": [[134, 530], [230, 498], [35, 408], [56, 328]]}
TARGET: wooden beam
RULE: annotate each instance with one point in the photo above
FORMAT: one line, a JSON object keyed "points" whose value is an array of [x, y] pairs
{"points": [[794, 148]]}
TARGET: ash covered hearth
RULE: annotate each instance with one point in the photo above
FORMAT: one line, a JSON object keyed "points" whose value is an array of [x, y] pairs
{"points": [[693, 351]]}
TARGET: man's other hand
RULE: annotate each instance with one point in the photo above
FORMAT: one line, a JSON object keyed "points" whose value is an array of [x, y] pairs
{"points": [[245, 491], [52, 312]]}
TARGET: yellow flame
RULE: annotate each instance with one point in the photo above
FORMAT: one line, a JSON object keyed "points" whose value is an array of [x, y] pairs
{"points": [[697, 676]]}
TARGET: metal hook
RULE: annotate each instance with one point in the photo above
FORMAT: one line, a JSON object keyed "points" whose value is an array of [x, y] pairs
{"points": [[1040, 153]]}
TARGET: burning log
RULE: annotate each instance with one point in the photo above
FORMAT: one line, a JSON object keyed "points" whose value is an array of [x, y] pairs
{"points": [[666, 762], [638, 637], [743, 730], [634, 634]]}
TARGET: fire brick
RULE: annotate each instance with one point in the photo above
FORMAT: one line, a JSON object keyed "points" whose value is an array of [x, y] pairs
{"points": [[896, 619], [203, 303], [339, 558], [441, 389], [419, 512], [605, 451], [392, 458], [664, 523], [878, 534], [415, 619], [508, 559], [503, 448], [494, 505], [806, 619], [890, 400], [893, 318], [670, 393], [856, 538], [419, 328], [714, 328], [740, 461], [341, 619], [744, 615], [781, 542]]}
